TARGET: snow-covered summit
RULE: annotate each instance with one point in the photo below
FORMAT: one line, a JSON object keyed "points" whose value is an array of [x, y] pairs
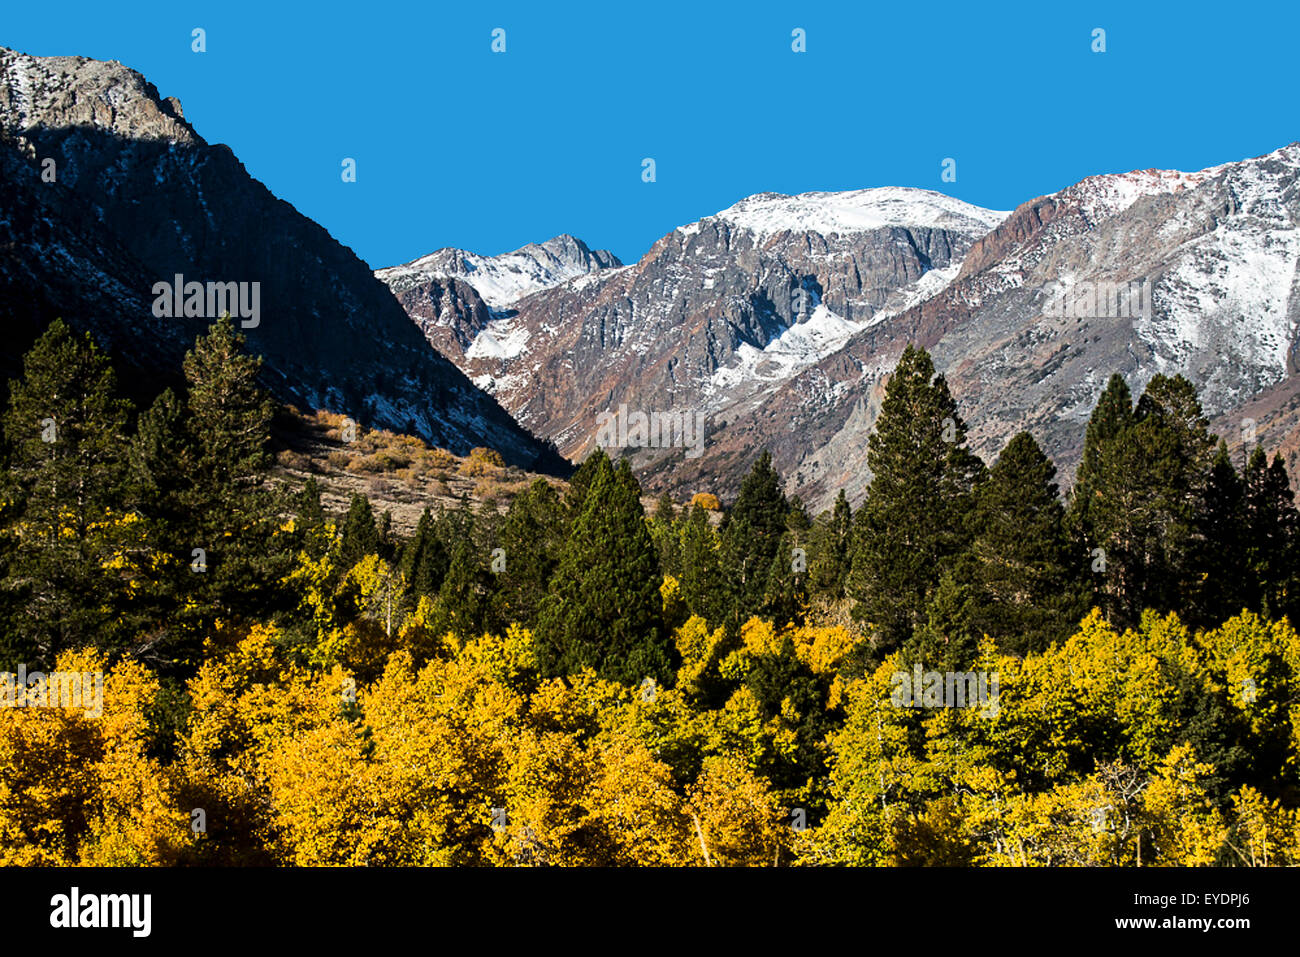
{"points": [[767, 214], [503, 280]]}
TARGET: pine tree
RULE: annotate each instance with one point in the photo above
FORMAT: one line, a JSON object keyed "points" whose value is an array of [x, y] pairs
{"points": [[1220, 559], [603, 608], [913, 523], [384, 532], [949, 638], [460, 608], [360, 535], [160, 474], [751, 534], [1112, 416], [701, 568], [831, 538], [1272, 532], [425, 559], [234, 513], [530, 540], [1136, 508], [785, 598], [1025, 592], [664, 531], [68, 479], [160, 470], [1169, 405], [575, 498]]}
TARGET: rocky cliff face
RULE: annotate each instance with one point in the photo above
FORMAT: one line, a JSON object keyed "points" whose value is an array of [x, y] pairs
{"points": [[139, 197]]}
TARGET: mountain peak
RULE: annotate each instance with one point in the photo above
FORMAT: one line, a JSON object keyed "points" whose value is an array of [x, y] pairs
{"points": [[854, 211], [503, 280]]}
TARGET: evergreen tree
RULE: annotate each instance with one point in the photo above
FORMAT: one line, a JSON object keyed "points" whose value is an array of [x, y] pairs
{"points": [[1169, 406], [701, 567], [664, 530], [831, 538], [786, 597], [72, 544], [234, 513], [160, 474], [1220, 559], [159, 486], [1136, 509], [949, 638], [1272, 537], [425, 559], [575, 498], [459, 608], [1112, 416], [384, 532], [311, 513], [531, 539], [912, 525], [751, 534], [603, 608], [1026, 597], [311, 522], [360, 535]]}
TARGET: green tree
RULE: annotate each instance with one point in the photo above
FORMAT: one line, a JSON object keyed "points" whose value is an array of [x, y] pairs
{"points": [[785, 599], [460, 607], [425, 559], [360, 534], [74, 549], [1112, 417], [530, 540], [1026, 596], [1220, 559], [832, 536], [913, 523], [1137, 507], [701, 567], [1272, 532], [603, 608], [234, 511], [664, 531], [751, 534]]}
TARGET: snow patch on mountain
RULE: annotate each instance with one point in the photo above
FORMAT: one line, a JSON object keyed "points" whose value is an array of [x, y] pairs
{"points": [[1230, 291], [931, 283], [797, 347], [499, 339]]}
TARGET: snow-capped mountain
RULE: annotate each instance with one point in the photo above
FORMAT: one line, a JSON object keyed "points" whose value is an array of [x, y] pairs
{"points": [[716, 314], [1216, 252], [463, 302], [139, 196], [770, 214], [781, 317], [503, 280]]}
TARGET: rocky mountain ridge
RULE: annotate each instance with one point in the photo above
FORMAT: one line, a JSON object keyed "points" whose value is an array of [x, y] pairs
{"points": [[109, 190], [781, 317]]}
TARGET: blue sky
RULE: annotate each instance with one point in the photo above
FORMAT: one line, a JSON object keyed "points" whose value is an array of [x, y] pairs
{"points": [[458, 146]]}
